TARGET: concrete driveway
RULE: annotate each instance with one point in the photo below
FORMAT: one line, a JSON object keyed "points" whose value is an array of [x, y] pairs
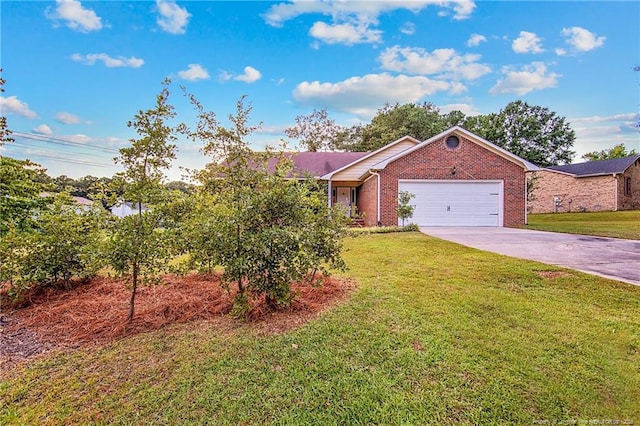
{"points": [[608, 257]]}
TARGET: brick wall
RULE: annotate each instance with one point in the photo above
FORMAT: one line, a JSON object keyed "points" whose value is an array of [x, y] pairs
{"points": [[471, 162], [630, 201], [591, 194], [368, 201]]}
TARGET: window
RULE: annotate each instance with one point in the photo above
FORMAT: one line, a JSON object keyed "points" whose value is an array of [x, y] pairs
{"points": [[627, 186], [353, 196], [452, 142]]}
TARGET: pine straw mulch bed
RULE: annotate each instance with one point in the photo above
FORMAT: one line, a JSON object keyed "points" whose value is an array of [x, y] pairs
{"points": [[95, 312]]}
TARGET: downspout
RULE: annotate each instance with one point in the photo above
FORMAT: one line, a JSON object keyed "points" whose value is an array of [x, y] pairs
{"points": [[526, 200], [378, 207], [615, 176]]}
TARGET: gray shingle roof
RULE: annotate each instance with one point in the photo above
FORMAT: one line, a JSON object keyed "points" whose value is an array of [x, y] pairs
{"points": [[595, 168]]}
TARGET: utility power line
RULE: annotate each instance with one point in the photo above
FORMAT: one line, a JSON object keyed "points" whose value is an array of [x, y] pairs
{"points": [[58, 141]]}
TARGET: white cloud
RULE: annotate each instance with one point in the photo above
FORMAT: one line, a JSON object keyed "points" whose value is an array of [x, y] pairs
{"points": [[466, 109], [368, 10], [344, 33], [13, 105], [475, 40], [194, 72], [77, 17], [561, 52], [108, 61], [529, 78], [80, 138], [353, 21], [582, 40], [67, 118], [43, 129], [171, 17], [628, 117], [527, 43], [408, 28], [597, 133], [250, 75], [363, 96], [445, 63]]}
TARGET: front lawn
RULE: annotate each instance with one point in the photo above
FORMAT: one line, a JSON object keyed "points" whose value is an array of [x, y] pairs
{"points": [[436, 333], [621, 224]]}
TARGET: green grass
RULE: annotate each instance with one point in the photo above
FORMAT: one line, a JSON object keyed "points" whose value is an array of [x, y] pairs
{"points": [[621, 224], [436, 333]]}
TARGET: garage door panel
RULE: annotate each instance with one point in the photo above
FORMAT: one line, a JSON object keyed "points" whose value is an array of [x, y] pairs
{"points": [[460, 203]]}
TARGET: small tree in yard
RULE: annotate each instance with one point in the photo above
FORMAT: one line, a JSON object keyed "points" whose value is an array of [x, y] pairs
{"points": [[404, 209], [138, 246], [264, 229]]}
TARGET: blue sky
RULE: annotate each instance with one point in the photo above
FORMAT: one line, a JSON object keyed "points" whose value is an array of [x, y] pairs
{"points": [[76, 71]]}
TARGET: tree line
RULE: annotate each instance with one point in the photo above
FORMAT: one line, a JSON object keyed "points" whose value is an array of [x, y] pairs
{"points": [[532, 132]]}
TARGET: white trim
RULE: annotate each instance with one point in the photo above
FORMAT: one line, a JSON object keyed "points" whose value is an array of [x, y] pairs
{"points": [[328, 176], [460, 181], [471, 136]]}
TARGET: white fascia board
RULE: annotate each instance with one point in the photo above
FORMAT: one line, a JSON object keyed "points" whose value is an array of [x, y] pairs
{"points": [[328, 176]]}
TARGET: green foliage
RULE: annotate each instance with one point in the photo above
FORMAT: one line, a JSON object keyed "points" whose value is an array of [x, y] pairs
{"points": [[530, 132], [5, 133], [20, 192], [137, 244], [395, 121], [316, 131], [264, 229], [404, 209], [355, 232], [617, 151], [64, 244]]}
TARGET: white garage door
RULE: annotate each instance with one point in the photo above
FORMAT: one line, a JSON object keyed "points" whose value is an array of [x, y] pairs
{"points": [[455, 203]]}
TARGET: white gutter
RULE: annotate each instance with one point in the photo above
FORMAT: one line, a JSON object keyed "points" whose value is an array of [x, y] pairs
{"points": [[378, 207]]}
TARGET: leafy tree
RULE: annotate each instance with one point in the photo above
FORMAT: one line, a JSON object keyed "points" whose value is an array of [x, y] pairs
{"points": [[617, 151], [5, 133], [531, 132], [404, 209], [264, 229], [20, 192], [395, 121], [137, 244], [316, 131], [65, 243]]}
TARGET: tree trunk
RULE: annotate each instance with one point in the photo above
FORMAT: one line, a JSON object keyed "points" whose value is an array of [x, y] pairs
{"points": [[132, 300]]}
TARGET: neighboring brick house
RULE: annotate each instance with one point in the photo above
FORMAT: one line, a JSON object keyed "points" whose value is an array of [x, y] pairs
{"points": [[606, 185], [458, 179]]}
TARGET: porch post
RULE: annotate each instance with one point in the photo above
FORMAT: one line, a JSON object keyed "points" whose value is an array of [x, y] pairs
{"points": [[329, 194]]}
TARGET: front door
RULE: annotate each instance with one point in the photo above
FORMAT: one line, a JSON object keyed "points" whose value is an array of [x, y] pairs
{"points": [[344, 198]]}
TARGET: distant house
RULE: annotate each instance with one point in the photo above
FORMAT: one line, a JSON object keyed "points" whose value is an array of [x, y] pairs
{"points": [[85, 203], [127, 209], [606, 185]]}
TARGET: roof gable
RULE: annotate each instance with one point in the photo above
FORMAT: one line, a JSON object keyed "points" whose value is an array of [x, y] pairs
{"points": [[526, 165], [370, 158], [597, 168]]}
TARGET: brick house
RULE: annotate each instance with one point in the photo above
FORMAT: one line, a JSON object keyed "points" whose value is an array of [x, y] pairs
{"points": [[458, 179], [606, 185]]}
